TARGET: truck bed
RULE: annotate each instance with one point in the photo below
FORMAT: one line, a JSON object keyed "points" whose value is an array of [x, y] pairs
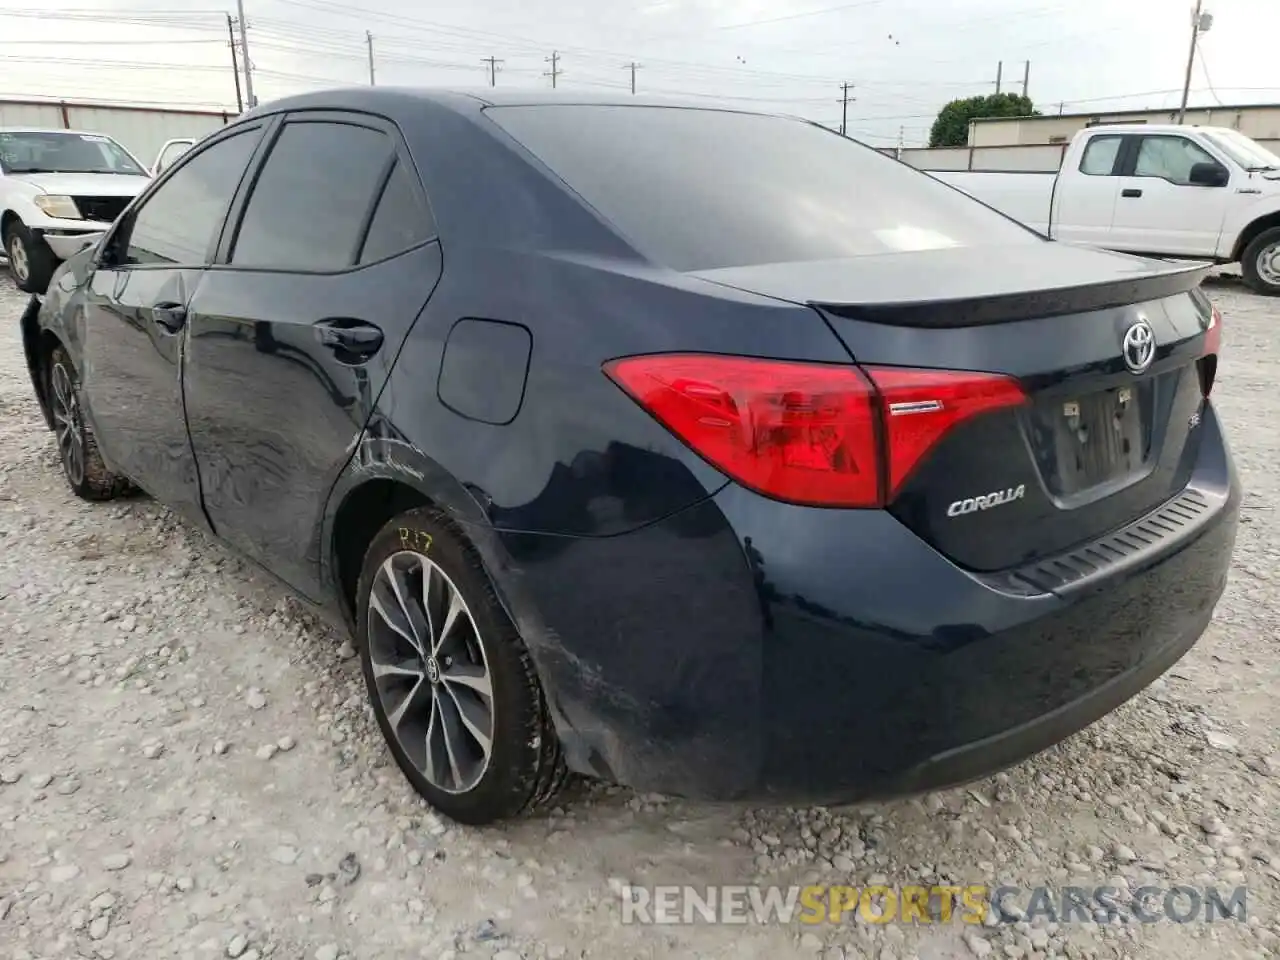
{"points": [[1026, 197]]}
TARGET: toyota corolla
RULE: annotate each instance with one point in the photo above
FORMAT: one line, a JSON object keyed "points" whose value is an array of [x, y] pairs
{"points": [[705, 451]]}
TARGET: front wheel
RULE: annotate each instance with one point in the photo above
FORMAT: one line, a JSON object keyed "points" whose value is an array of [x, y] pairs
{"points": [[31, 262], [1261, 263], [451, 682]]}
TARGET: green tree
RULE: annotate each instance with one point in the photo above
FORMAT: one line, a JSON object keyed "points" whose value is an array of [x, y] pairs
{"points": [[951, 129]]}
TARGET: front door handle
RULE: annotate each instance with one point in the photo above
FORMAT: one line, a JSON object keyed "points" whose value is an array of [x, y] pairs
{"points": [[1131, 192], [171, 316], [352, 341]]}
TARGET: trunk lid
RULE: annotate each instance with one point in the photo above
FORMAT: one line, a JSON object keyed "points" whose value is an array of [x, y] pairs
{"points": [[1100, 441]]}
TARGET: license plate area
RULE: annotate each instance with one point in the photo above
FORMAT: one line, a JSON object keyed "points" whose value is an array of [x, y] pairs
{"points": [[1093, 440]]}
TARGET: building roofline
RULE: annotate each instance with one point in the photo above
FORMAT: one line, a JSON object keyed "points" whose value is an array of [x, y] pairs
{"points": [[110, 105], [1129, 113]]}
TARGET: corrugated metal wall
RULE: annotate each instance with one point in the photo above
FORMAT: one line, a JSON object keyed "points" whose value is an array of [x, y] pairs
{"points": [[142, 131]]}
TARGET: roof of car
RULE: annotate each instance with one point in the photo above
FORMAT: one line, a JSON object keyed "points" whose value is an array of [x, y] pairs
{"points": [[463, 99]]}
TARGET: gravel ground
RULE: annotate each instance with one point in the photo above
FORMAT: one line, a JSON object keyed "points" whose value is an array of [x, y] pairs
{"points": [[187, 769]]}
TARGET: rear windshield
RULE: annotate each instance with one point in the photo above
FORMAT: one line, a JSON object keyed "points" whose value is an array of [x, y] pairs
{"points": [[703, 189]]}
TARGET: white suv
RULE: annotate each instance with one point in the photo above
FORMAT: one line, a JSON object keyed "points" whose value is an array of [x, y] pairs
{"points": [[59, 191]]}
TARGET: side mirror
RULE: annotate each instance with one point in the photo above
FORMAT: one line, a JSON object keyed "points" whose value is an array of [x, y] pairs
{"points": [[1209, 174]]}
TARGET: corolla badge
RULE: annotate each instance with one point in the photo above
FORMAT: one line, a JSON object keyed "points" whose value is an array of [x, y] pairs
{"points": [[997, 499]]}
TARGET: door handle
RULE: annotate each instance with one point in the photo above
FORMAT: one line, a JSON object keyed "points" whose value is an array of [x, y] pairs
{"points": [[171, 316], [1131, 192], [352, 341]]}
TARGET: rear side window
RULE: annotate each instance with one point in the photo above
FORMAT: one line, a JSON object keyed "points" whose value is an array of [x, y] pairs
{"points": [[178, 223], [702, 189], [400, 221], [1099, 158], [312, 198]]}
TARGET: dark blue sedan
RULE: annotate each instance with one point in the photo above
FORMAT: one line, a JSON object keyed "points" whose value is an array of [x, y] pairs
{"points": [[704, 451]]}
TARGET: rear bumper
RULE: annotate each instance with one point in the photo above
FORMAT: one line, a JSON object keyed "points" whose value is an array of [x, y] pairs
{"points": [[751, 650]]}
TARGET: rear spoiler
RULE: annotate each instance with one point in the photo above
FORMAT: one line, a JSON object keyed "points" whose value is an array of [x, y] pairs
{"points": [[1004, 308]]}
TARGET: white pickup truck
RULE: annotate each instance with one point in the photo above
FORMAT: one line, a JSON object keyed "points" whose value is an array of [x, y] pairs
{"points": [[1194, 193], [59, 191]]}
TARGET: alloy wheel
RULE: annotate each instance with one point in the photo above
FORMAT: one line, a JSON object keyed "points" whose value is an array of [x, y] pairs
{"points": [[1268, 263], [19, 263], [430, 671], [67, 424]]}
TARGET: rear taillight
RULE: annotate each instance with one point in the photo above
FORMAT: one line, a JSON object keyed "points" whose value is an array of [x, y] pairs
{"points": [[922, 406], [818, 434], [1208, 362]]}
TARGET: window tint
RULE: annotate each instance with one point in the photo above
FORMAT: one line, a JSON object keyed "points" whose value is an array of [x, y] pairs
{"points": [[701, 189], [1169, 157], [180, 221], [312, 197], [1100, 156], [400, 221]]}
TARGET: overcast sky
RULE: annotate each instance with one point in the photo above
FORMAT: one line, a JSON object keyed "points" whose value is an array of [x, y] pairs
{"points": [[905, 58]]}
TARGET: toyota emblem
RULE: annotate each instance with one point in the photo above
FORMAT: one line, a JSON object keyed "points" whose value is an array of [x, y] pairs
{"points": [[1139, 346]]}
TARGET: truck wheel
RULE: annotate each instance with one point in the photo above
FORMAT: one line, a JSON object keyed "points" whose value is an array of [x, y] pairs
{"points": [[31, 262], [450, 680], [1261, 263]]}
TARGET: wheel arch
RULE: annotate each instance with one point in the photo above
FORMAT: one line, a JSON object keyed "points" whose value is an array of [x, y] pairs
{"points": [[1251, 230], [7, 218], [384, 479], [38, 344]]}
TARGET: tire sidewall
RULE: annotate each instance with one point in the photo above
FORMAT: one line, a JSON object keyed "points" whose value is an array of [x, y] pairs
{"points": [[506, 785], [59, 358], [1249, 262]]}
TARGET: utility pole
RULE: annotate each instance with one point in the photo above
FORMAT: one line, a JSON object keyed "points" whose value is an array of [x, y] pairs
{"points": [[493, 69], [1026, 78], [368, 39], [999, 75], [1200, 23], [844, 107], [244, 50], [633, 67], [235, 64], [555, 71]]}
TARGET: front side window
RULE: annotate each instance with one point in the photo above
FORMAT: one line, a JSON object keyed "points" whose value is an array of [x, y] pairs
{"points": [[180, 221], [1099, 158], [1170, 158], [171, 153], [310, 203], [55, 152]]}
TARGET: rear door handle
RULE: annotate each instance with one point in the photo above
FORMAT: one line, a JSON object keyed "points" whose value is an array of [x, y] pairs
{"points": [[1131, 192], [352, 341], [171, 316]]}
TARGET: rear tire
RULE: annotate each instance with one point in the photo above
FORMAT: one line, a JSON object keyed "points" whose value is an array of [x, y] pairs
{"points": [[82, 464], [451, 682], [1260, 263], [31, 262]]}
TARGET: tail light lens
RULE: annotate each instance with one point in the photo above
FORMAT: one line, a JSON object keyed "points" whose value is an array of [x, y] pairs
{"points": [[922, 406], [817, 434], [1208, 362]]}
